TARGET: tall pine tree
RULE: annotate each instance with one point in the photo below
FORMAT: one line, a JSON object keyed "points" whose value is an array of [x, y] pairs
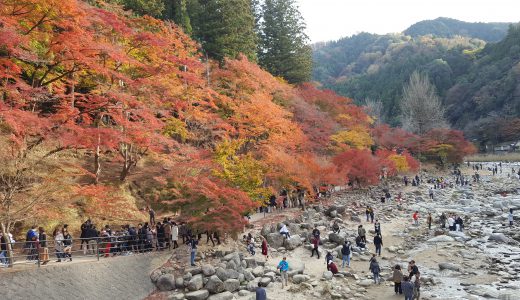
{"points": [[177, 11], [284, 49], [225, 28]]}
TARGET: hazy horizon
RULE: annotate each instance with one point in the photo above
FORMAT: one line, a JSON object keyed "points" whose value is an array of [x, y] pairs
{"points": [[333, 19]]}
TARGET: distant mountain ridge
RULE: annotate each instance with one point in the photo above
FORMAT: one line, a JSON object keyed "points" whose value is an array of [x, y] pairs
{"points": [[447, 27]]}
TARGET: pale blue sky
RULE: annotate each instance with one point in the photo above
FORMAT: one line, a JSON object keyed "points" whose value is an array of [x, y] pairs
{"points": [[332, 19]]}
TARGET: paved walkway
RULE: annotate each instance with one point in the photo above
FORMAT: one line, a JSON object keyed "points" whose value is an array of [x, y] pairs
{"points": [[114, 278]]}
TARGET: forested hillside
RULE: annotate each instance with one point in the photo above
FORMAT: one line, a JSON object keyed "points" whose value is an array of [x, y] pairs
{"points": [[103, 111], [446, 27], [475, 80]]}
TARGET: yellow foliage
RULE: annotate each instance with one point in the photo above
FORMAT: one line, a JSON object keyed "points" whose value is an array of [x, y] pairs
{"points": [[356, 138], [401, 165], [241, 170], [176, 128]]}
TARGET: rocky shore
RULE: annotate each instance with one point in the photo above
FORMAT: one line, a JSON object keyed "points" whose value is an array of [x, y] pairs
{"points": [[482, 261]]}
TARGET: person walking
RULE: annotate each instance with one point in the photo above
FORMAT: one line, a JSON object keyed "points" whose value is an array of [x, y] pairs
{"points": [[510, 217], [397, 277], [443, 220], [260, 292], [167, 227], [417, 286], [315, 244], [362, 233], [416, 218], [429, 220], [193, 249], [375, 269], [31, 242], [44, 251], [367, 212], [378, 243], [265, 249], [67, 244], [316, 232], [451, 223], [283, 266], [58, 243], [151, 213], [407, 288], [175, 235], [371, 215], [377, 227], [430, 193], [346, 250]]}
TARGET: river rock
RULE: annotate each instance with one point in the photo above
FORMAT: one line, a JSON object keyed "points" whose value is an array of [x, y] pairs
{"points": [[293, 242], [499, 237], [214, 285], [327, 275], [196, 283], [197, 295], [258, 271], [223, 274], [231, 285], [166, 282], [275, 239], [299, 278], [222, 296], [265, 281], [365, 282], [449, 266], [441, 239], [248, 275], [208, 270]]}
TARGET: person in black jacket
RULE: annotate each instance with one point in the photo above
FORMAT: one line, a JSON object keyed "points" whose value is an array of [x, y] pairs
{"points": [[378, 243], [412, 268], [44, 251]]}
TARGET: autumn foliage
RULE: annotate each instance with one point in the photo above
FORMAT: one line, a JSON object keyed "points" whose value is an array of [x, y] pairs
{"points": [[123, 105]]}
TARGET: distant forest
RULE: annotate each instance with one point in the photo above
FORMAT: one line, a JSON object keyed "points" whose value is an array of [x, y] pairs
{"points": [[478, 80]]}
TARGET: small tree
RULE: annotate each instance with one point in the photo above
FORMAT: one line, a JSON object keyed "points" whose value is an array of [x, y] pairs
{"points": [[421, 108]]}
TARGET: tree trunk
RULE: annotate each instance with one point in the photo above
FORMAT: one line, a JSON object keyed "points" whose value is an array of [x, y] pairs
{"points": [[97, 163]]}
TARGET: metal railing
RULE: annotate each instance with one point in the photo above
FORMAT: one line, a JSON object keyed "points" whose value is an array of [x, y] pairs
{"points": [[85, 249]]}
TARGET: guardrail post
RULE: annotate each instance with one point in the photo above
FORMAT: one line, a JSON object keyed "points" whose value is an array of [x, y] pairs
{"points": [[97, 248]]}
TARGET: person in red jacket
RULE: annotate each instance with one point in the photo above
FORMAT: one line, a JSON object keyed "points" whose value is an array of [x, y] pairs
{"points": [[265, 249], [416, 218]]}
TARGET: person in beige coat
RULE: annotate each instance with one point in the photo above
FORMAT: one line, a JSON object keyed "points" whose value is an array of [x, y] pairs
{"points": [[397, 277]]}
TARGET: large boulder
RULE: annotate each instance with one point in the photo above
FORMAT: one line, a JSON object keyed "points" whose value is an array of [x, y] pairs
{"points": [[299, 278], [267, 229], [251, 262], [338, 238], [208, 270], [195, 283], [166, 282], [296, 267], [449, 266], [499, 237], [231, 285], [194, 270], [265, 281], [258, 271], [293, 242], [214, 285], [275, 239], [197, 295], [441, 239], [248, 275], [222, 296], [327, 275], [223, 274], [458, 234]]}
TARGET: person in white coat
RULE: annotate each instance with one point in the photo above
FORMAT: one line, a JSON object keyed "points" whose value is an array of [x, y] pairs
{"points": [[175, 235]]}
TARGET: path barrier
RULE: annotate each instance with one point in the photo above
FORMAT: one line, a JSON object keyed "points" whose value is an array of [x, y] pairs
{"points": [[30, 254]]}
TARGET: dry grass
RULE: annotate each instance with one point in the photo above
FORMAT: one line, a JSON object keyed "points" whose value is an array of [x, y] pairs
{"points": [[512, 157]]}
